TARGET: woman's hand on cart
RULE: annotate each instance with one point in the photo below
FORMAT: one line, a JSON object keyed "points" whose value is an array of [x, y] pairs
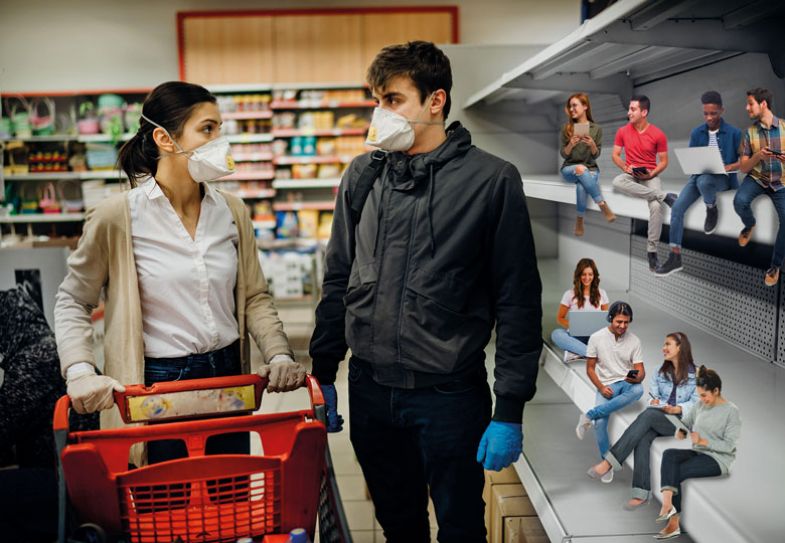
{"points": [[283, 374], [90, 392]]}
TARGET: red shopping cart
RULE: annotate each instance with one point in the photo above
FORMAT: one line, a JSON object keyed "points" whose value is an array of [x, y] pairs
{"points": [[200, 498]]}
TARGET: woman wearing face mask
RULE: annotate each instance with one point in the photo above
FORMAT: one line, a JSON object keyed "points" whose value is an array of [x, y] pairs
{"points": [[585, 295], [715, 427], [672, 392], [178, 262], [580, 152]]}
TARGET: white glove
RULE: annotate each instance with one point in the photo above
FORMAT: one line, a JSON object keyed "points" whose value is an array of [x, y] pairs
{"points": [[283, 373], [90, 392]]}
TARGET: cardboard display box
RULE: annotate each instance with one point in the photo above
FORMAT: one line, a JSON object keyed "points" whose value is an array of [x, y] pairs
{"points": [[524, 530], [506, 476], [508, 501]]}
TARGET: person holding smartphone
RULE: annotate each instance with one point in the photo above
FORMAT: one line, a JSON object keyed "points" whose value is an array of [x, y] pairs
{"points": [[715, 427], [645, 158], [762, 163], [614, 365], [581, 144], [672, 392]]}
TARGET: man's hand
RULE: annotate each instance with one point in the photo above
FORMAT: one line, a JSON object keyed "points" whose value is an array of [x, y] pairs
{"points": [[643, 176], [334, 420], [283, 374], [501, 445], [607, 392], [90, 392]]}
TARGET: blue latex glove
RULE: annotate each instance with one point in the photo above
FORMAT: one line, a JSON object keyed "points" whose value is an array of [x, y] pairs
{"points": [[501, 445], [334, 420]]}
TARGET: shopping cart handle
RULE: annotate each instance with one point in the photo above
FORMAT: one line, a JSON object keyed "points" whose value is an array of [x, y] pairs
{"points": [[314, 391]]}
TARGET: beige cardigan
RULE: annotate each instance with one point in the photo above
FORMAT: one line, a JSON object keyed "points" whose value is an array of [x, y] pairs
{"points": [[104, 258]]}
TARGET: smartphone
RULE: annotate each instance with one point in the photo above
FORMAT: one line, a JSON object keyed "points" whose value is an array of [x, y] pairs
{"points": [[632, 374], [640, 170], [773, 152]]}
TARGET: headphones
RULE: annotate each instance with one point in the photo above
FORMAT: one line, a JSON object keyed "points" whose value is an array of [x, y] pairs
{"points": [[619, 307]]}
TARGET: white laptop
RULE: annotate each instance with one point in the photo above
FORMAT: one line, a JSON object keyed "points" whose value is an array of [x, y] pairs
{"points": [[585, 323], [698, 160]]}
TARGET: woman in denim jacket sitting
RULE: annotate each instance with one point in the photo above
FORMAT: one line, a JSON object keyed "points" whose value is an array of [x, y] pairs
{"points": [[673, 392]]}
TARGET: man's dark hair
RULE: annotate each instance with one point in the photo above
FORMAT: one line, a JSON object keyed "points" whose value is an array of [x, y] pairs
{"points": [[760, 95], [424, 63], [643, 101], [711, 97]]}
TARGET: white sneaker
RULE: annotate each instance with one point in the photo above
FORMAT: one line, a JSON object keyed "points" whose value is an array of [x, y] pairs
{"points": [[608, 477], [569, 357], [583, 424]]}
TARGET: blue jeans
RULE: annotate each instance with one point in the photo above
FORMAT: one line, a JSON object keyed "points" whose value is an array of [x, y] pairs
{"points": [[637, 438], [624, 394], [706, 185], [586, 184], [574, 344], [220, 363], [678, 465], [748, 191], [410, 441]]}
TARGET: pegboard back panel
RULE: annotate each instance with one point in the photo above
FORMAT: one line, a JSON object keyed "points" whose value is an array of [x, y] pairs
{"points": [[724, 298]]}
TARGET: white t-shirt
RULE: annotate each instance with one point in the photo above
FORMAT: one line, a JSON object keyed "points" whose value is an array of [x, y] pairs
{"points": [[571, 301], [614, 358]]}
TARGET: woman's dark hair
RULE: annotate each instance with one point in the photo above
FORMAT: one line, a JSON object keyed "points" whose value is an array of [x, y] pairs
{"points": [[708, 379], [686, 364], [170, 105], [424, 63], [594, 288]]}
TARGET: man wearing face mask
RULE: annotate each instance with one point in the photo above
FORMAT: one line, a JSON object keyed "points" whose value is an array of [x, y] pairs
{"points": [[178, 262], [418, 272]]}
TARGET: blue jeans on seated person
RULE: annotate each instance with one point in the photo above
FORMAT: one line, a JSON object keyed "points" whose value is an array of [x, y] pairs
{"points": [[220, 363], [586, 184], [706, 185], [750, 190], [624, 394], [566, 342], [678, 465]]}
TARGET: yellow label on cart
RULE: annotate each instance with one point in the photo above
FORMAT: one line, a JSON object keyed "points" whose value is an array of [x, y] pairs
{"points": [[191, 403]]}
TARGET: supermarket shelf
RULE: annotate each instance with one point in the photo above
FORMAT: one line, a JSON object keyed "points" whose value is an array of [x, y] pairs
{"points": [[291, 133], [56, 176], [42, 217], [242, 88], [84, 138], [286, 160], [264, 224], [320, 104], [249, 176], [252, 158], [306, 183], [254, 194], [297, 206], [240, 115], [249, 138], [289, 243]]}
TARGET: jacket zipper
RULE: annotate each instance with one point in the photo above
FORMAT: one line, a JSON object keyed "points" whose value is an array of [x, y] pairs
{"points": [[412, 230]]}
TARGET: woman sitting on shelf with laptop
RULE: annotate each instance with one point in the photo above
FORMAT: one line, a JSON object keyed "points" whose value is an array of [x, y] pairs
{"points": [[713, 426], [585, 295], [581, 144], [672, 392]]}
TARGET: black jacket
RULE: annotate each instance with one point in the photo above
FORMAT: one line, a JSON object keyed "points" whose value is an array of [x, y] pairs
{"points": [[443, 252]]}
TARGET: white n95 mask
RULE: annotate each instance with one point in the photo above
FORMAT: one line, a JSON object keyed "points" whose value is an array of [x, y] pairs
{"points": [[207, 162], [392, 131]]}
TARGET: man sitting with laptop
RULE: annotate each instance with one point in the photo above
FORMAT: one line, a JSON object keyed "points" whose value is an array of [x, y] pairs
{"points": [[717, 136]]}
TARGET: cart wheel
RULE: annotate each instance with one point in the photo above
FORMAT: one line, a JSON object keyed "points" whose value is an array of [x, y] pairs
{"points": [[89, 533]]}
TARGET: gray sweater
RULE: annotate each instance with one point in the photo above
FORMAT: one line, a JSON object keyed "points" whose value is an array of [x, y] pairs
{"points": [[721, 426]]}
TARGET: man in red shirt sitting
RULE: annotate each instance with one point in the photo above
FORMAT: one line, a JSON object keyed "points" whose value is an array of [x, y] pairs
{"points": [[645, 157]]}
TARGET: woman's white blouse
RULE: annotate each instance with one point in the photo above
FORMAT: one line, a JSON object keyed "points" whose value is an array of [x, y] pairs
{"points": [[186, 285]]}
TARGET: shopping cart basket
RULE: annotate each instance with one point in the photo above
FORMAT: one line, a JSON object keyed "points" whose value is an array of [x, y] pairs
{"points": [[200, 498]]}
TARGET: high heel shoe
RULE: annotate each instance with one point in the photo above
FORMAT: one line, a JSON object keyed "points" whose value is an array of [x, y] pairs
{"points": [[667, 516]]}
